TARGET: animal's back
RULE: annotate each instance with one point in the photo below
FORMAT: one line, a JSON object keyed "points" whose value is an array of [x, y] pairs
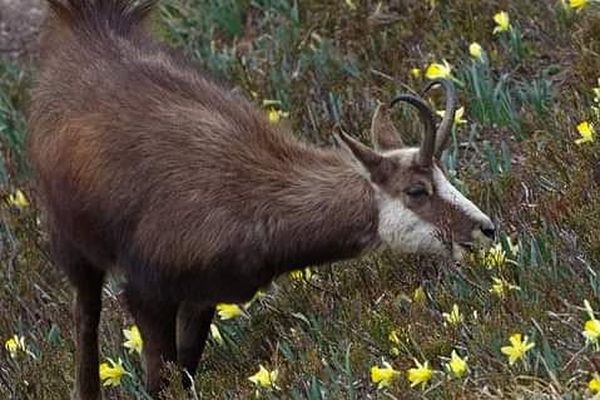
{"points": [[129, 141]]}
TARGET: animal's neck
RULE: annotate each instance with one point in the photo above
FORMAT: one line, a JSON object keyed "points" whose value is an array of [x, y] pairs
{"points": [[326, 211]]}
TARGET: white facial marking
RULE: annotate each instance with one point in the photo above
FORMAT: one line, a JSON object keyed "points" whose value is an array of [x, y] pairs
{"points": [[403, 230], [446, 191]]}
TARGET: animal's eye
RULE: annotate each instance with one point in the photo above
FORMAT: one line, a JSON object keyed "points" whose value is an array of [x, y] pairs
{"points": [[417, 191]]}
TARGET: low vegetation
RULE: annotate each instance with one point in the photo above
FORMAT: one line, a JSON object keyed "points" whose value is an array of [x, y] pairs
{"points": [[515, 322]]}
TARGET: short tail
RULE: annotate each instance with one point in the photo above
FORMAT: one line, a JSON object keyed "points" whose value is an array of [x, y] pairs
{"points": [[98, 16]]}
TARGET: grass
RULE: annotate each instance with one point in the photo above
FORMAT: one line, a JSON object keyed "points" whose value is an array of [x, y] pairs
{"points": [[328, 63]]}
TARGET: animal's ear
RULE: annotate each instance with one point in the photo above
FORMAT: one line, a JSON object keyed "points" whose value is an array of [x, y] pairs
{"points": [[375, 165], [383, 132]]}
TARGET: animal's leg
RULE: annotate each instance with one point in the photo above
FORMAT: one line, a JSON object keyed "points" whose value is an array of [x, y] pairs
{"points": [[156, 320], [87, 280], [193, 323]]}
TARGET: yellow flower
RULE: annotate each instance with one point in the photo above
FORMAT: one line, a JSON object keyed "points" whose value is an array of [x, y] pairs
{"points": [[594, 384], [495, 257], [476, 51], [351, 5], [517, 349], [216, 334], [134, 340], [419, 295], [458, 116], [586, 130], [274, 116], [18, 199], [420, 375], [454, 317], [591, 328], [502, 22], [393, 337], [15, 344], [500, 287], [415, 73], [112, 372], [265, 378], [395, 340], [305, 274], [439, 71], [457, 366], [577, 4], [383, 377], [229, 311]]}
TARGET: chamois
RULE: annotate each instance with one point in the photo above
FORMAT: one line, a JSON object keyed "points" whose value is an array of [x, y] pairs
{"points": [[147, 167]]}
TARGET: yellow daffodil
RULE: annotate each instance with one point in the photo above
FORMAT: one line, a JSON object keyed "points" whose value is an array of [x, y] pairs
{"points": [[458, 116], [419, 295], [216, 334], [133, 340], [594, 384], [274, 113], [393, 337], [439, 71], [591, 328], [454, 317], [517, 349], [395, 340], [476, 51], [502, 22], [265, 378], [229, 311], [305, 274], [14, 345], [351, 5], [457, 366], [112, 372], [18, 199], [586, 130], [495, 257], [500, 287], [420, 375], [383, 377], [415, 73], [578, 4], [274, 116]]}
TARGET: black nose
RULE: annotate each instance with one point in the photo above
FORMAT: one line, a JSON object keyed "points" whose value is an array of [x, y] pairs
{"points": [[489, 231]]}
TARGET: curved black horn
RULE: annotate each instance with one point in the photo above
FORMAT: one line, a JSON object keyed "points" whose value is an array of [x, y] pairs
{"points": [[443, 132], [428, 119]]}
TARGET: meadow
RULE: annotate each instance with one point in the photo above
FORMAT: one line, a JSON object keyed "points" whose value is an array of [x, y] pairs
{"points": [[383, 327]]}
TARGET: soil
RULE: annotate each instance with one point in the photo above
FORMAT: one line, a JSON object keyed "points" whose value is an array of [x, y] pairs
{"points": [[20, 22]]}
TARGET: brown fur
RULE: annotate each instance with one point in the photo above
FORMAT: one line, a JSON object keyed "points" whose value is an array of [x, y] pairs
{"points": [[147, 166]]}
